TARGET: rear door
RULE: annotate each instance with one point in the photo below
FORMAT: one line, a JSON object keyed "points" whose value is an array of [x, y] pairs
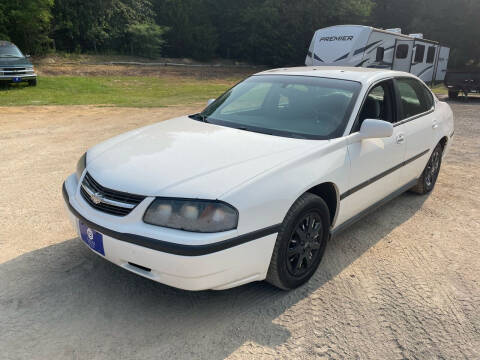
{"points": [[402, 59], [417, 117]]}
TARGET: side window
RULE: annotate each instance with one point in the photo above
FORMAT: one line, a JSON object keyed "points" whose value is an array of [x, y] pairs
{"points": [[427, 97], [419, 53], [380, 54], [413, 96], [431, 55], [378, 105], [402, 51]]}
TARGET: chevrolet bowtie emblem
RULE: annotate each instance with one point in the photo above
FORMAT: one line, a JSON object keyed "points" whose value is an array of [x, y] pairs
{"points": [[96, 198]]}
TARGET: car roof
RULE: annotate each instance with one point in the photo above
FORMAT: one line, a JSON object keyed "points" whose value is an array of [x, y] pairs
{"points": [[5, 43], [360, 74]]}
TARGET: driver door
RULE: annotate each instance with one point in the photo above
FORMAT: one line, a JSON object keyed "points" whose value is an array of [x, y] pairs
{"points": [[375, 164]]}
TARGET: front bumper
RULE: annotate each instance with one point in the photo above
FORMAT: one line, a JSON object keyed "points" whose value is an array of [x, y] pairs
{"points": [[22, 78], [206, 261]]}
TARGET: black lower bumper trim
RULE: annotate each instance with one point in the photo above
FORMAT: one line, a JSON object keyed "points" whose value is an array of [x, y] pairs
{"points": [[168, 247]]}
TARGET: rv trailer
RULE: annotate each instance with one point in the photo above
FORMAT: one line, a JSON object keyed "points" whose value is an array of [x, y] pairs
{"points": [[356, 45]]}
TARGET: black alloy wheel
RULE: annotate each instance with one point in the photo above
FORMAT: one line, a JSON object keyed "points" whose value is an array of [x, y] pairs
{"points": [[304, 244], [300, 243], [427, 180], [433, 168]]}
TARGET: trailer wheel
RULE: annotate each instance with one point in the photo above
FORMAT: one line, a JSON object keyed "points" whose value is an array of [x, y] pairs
{"points": [[453, 95]]}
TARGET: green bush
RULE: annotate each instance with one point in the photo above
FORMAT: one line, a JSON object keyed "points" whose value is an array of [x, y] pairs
{"points": [[146, 39]]}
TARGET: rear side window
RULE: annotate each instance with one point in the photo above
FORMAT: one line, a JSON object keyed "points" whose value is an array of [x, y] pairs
{"points": [[380, 54], [415, 98], [431, 55], [419, 53], [402, 51]]}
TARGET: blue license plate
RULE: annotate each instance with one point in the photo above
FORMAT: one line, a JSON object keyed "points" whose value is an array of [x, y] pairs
{"points": [[92, 238], [16, 79]]}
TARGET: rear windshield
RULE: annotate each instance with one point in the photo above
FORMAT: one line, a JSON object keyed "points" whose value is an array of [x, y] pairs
{"points": [[10, 50], [293, 106]]}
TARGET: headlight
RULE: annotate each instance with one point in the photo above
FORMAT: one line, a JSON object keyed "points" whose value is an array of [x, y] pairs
{"points": [[81, 165], [204, 216]]}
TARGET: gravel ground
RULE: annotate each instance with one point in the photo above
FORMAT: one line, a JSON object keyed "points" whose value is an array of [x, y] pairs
{"points": [[403, 283]]}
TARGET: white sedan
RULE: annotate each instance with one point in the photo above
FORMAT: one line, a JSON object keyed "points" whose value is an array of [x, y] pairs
{"points": [[254, 186]]}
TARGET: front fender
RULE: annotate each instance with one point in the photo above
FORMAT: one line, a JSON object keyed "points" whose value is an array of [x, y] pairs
{"points": [[266, 199]]}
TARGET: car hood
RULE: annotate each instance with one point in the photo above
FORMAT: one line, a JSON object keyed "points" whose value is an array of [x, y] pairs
{"points": [[183, 157], [14, 62]]}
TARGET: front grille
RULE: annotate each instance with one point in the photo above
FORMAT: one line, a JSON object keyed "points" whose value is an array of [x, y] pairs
{"points": [[15, 71], [109, 201]]}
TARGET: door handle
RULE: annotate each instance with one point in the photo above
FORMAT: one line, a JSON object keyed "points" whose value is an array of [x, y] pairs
{"points": [[434, 125], [400, 139]]}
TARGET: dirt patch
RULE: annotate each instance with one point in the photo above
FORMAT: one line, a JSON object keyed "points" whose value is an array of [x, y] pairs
{"points": [[88, 65], [152, 71], [402, 283]]}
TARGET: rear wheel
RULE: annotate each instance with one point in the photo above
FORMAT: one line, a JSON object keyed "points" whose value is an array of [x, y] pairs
{"points": [[32, 82], [427, 181], [453, 94], [300, 244]]}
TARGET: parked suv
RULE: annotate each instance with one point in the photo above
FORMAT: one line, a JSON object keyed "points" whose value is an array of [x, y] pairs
{"points": [[14, 66]]}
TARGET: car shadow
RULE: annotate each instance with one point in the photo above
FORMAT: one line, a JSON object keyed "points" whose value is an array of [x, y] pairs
{"points": [[63, 301]]}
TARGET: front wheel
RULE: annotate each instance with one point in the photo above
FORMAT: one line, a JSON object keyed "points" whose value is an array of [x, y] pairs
{"points": [[427, 181], [32, 82], [300, 244]]}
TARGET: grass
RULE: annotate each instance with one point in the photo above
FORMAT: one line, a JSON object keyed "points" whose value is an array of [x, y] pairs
{"points": [[114, 91], [440, 90], [125, 91]]}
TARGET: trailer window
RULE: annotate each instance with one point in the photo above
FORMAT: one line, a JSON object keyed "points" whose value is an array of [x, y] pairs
{"points": [[402, 51], [431, 55], [419, 53], [380, 54]]}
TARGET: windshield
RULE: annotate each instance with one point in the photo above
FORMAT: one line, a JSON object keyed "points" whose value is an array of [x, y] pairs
{"points": [[292, 106], [10, 50]]}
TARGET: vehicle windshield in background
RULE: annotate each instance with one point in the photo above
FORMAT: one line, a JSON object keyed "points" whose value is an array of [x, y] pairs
{"points": [[285, 105], [9, 50]]}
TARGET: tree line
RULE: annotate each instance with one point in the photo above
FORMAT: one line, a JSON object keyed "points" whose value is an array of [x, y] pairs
{"points": [[270, 32]]}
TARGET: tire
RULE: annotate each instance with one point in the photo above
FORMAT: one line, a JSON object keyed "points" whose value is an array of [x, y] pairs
{"points": [[427, 181], [32, 82], [453, 95], [300, 241]]}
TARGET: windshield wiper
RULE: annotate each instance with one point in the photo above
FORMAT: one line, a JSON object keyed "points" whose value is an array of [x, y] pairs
{"points": [[9, 55], [202, 118]]}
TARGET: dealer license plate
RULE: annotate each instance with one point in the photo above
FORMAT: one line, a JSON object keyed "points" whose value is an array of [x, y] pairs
{"points": [[92, 238]]}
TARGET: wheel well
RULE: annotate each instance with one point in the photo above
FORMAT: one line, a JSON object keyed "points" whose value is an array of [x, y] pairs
{"points": [[328, 192]]}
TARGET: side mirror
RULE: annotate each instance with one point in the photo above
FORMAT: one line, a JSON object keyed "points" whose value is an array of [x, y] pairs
{"points": [[209, 102], [27, 56], [375, 129]]}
